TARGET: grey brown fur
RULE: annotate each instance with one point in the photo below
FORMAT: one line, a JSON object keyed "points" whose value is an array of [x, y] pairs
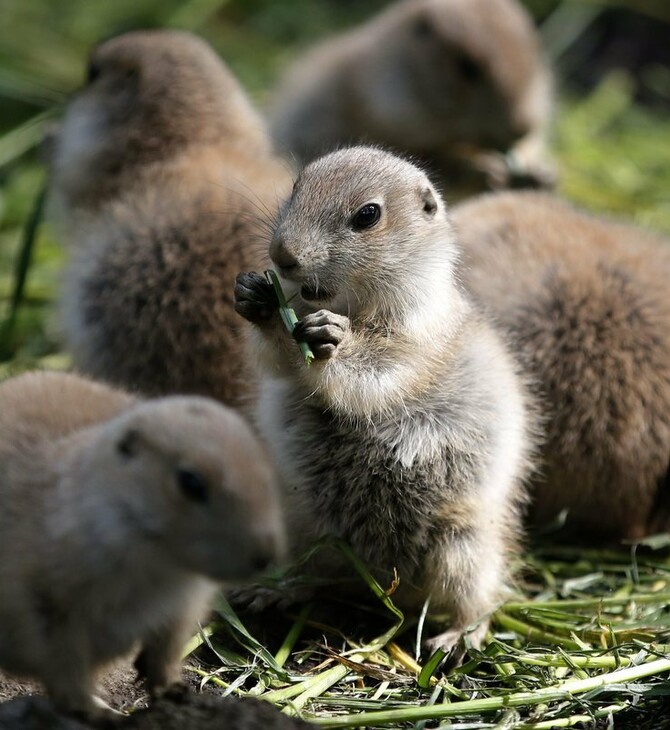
{"points": [[452, 81], [164, 181], [585, 303], [410, 435], [118, 518]]}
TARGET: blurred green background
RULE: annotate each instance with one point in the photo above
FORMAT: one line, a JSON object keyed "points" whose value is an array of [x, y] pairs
{"points": [[611, 137]]}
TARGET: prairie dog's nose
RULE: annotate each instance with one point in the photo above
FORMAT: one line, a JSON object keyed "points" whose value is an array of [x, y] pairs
{"points": [[281, 256]]}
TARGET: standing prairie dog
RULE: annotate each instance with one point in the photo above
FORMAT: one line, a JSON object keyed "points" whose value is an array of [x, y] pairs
{"points": [[118, 518], [410, 435], [165, 181], [585, 303], [446, 80]]}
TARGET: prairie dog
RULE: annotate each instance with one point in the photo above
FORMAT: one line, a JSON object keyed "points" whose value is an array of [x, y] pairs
{"points": [[585, 303], [441, 79], [118, 518], [165, 180], [410, 435], [154, 97]]}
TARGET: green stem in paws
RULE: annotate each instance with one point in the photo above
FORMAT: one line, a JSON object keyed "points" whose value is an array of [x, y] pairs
{"points": [[288, 315]]}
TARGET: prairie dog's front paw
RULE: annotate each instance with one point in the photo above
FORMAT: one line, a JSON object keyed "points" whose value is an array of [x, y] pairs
{"points": [[454, 643], [255, 298], [322, 331], [255, 598]]}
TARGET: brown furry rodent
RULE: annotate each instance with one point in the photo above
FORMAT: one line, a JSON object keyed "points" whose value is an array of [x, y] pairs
{"points": [[410, 435], [585, 303], [164, 179], [451, 81], [118, 518]]}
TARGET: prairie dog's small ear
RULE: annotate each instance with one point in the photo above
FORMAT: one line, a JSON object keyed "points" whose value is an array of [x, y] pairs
{"points": [[429, 202], [129, 444], [93, 71]]}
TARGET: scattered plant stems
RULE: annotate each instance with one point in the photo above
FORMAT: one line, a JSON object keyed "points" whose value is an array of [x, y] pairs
{"points": [[565, 656]]}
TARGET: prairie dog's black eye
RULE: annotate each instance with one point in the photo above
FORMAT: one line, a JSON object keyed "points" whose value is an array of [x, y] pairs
{"points": [[93, 72], [366, 217], [468, 68], [193, 485], [128, 446]]}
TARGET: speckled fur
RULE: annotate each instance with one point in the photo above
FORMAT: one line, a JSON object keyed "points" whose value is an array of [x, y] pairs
{"points": [[585, 303], [412, 440], [100, 550], [165, 183], [442, 79]]}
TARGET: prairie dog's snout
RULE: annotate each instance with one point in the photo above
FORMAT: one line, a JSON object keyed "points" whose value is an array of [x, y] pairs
{"points": [[212, 497], [282, 256]]}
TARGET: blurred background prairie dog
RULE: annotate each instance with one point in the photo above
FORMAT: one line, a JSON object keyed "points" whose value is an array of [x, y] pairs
{"points": [[584, 301], [118, 518], [410, 435], [447, 80], [164, 179]]}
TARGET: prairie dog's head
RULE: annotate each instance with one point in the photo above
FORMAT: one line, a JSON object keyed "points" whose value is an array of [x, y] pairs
{"points": [[459, 71], [362, 228], [148, 95], [186, 476]]}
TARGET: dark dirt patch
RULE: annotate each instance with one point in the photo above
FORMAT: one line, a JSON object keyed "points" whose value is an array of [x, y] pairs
{"points": [[34, 713], [181, 711], [210, 712], [117, 687]]}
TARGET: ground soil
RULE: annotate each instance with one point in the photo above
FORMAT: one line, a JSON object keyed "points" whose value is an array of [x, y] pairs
{"points": [[23, 708]]}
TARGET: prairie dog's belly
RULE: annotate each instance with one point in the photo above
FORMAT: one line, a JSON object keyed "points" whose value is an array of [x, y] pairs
{"points": [[347, 480]]}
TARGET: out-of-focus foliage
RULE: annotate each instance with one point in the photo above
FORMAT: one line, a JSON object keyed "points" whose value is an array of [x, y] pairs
{"points": [[614, 154]]}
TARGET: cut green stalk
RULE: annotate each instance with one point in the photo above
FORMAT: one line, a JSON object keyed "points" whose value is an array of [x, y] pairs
{"points": [[198, 640], [590, 603], [532, 633], [289, 642], [573, 720], [487, 704], [288, 315]]}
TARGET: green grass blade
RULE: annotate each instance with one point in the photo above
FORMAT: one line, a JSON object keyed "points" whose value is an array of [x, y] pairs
{"points": [[288, 315]]}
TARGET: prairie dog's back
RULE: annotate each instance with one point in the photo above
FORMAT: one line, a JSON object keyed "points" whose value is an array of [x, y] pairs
{"points": [[585, 302], [529, 235], [41, 406], [167, 182], [449, 80], [150, 97]]}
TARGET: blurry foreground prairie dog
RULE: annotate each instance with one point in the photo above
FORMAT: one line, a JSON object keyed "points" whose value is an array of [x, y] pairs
{"points": [[164, 180], [410, 434], [442, 79], [118, 518], [585, 302]]}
